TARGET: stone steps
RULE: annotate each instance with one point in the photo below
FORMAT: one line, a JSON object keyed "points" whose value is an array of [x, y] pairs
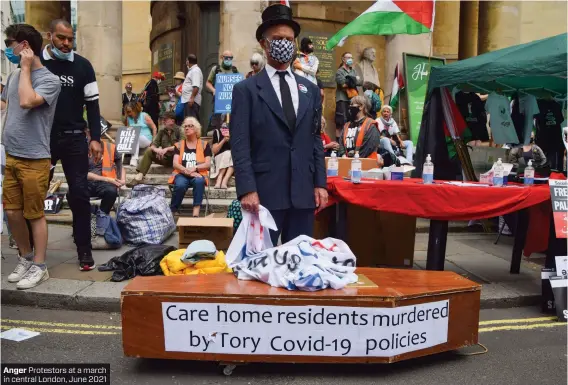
{"points": [[215, 206], [230, 193]]}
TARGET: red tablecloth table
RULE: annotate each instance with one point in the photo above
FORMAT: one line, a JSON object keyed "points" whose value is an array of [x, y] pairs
{"points": [[442, 202]]}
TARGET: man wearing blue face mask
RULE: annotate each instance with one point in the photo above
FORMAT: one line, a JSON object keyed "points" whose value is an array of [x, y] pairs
{"points": [[347, 82], [68, 140], [29, 101], [224, 67]]}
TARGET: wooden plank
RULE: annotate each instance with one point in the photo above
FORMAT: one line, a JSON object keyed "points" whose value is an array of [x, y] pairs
{"points": [[142, 317], [400, 283]]}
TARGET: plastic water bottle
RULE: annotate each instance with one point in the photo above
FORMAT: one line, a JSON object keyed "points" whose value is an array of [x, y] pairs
{"points": [[529, 174], [356, 169], [333, 165], [498, 172], [428, 171]]}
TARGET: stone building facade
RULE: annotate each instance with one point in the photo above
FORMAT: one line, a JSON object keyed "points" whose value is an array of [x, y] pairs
{"points": [[107, 35], [462, 29]]}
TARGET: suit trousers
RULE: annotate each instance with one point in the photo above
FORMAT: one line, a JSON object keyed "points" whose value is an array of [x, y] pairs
{"points": [[291, 223]]}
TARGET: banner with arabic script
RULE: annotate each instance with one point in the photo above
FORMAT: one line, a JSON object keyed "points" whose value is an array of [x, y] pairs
{"points": [[416, 74]]}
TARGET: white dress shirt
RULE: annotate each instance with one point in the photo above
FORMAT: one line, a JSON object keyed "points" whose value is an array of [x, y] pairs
{"points": [[194, 78], [290, 79]]}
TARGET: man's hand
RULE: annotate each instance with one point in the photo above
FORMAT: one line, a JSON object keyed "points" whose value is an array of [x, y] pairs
{"points": [[191, 101], [115, 182], [393, 142], [321, 196], [96, 151], [334, 145], [26, 58], [250, 202]]}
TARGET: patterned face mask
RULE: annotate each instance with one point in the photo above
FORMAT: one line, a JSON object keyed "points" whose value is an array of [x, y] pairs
{"points": [[281, 50]]}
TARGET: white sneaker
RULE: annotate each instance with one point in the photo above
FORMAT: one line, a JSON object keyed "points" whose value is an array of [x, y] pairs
{"points": [[20, 270], [33, 277]]}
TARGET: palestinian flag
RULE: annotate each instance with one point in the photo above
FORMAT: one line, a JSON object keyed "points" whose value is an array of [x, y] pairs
{"points": [[389, 17], [397, 86], [285, 2]]}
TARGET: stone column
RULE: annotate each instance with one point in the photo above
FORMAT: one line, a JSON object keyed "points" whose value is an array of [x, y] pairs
{"points": [[40, 14], [446, 30], [499, 25], [99, 39], [239, 21], [396, 45], [469, 16]]}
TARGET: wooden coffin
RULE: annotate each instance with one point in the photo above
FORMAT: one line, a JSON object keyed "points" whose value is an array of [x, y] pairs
{"points": [[220, 318]]}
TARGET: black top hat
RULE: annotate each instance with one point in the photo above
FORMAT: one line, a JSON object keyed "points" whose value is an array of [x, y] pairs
{"points": [[277, 14]]}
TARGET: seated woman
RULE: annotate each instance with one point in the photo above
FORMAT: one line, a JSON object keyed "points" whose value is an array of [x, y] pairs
{"points": [[107, 176], [223, 159], [360, 132], [390, 136], [328, 145], [530, 152], [135, 117], [192, 160]]}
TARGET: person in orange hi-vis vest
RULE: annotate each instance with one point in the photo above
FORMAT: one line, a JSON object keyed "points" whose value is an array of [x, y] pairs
{"points": [[360, 133], [107, 176], [192, 160]]}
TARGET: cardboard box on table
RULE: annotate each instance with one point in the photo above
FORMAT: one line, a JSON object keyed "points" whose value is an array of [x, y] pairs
{"points": [[217, 230], [377, 238]]}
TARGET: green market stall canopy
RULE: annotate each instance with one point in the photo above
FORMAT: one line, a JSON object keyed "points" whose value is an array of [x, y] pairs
{"points": [[535, 67]]}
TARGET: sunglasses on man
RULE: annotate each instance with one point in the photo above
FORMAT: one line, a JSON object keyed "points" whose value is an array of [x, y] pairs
{"points": [[228, 57], [253, 63]]}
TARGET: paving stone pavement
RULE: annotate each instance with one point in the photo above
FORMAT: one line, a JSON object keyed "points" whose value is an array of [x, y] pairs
{"points": [[471, 255]]}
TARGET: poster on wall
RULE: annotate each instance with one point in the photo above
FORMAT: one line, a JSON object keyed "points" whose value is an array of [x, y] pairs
{"points": [[163, 61], [326, 57], [416, 75]]}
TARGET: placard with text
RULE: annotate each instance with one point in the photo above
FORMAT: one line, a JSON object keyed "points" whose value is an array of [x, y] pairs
{"points": [[417, 70], [559, 198], [222, 328], [127, 139], [224, 91]]}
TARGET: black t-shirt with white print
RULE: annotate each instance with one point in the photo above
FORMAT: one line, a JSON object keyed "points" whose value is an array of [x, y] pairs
{"points": [[78, 88], [189, 159]]}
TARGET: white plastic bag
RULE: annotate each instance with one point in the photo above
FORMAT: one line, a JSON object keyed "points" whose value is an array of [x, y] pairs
{"points": [[303, 263]]}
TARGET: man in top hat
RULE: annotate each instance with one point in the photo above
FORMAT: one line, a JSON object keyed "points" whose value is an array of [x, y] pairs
{"points": [[275, 134]]}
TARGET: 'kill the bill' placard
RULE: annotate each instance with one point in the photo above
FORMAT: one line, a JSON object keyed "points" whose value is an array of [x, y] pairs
{"points": [[559, 197], [127, 140]]}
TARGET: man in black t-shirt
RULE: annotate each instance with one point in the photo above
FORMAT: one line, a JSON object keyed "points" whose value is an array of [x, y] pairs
{"points": [[68, 140]]}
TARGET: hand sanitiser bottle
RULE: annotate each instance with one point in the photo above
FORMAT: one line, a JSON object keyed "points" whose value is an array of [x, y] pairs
{"points": [[529, 174], [428, 171], [356, 169], [333, 165], [498, 172]]}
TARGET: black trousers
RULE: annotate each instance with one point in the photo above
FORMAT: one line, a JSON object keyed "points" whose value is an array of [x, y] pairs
{"points": [[107, 192], [291, 223], [73, 152], [192, 111]]}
